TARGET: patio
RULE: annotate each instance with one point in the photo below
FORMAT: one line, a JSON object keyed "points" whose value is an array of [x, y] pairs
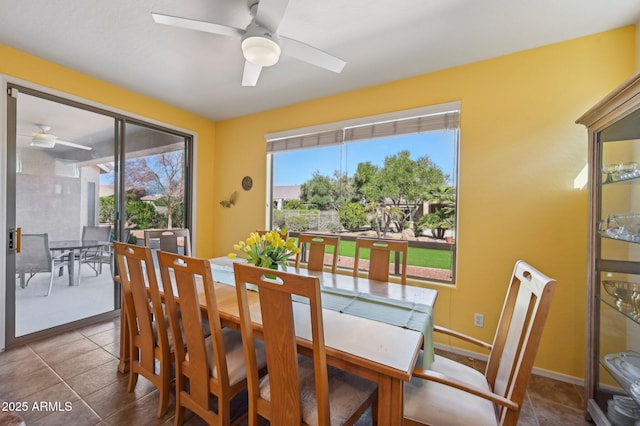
{"points": [[35, 311]]}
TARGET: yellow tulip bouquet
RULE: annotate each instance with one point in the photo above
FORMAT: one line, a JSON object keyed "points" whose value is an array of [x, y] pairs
{"points": [[268, 250]]}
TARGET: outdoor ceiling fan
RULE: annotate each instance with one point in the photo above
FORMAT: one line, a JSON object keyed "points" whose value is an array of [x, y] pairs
{"points": [[44, 139], [261, 44]]}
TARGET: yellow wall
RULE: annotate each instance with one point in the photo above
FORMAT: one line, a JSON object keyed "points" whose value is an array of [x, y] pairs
{"points": [[520, 152], [14, 63]]}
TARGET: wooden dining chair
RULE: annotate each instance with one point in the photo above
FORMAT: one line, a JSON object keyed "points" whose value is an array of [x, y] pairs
{"points": [[315, 249], [297, 390], [170, 240], [214, 365], [379, 257], [451, 393], [148, 335]]}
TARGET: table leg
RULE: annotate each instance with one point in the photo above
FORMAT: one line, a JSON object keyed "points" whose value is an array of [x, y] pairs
{"points": [[74, 279], [390, 401]]}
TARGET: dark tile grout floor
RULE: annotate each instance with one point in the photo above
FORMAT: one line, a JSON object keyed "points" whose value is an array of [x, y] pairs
{"points": [[72, 379]]}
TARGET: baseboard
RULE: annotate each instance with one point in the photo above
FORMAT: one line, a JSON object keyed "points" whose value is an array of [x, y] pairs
{"points": [[538, 371]]}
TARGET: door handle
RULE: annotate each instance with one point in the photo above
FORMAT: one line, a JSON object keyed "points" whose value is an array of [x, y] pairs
{"points": [[15, 239], [18, 239]]}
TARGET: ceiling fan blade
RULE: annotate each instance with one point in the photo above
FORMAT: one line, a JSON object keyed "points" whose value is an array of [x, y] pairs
{"points": [[311, 55], [270, 13], [192, 24], [73, 145], [250, 74]]}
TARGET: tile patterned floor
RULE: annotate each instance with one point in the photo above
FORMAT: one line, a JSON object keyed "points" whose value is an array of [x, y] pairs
{"points": [[75, 375]]}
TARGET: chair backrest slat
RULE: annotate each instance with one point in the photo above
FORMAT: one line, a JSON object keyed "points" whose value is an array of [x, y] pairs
{"points": [[182, 277], [142, 302], [379, 257], [275, 291], [518, 335], [317, 251]]}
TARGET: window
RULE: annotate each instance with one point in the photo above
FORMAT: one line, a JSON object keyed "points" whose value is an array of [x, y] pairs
{"points": [[390, 176]]}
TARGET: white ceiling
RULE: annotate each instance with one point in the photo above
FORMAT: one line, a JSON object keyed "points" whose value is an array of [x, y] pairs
{"points": [[381, 40]]}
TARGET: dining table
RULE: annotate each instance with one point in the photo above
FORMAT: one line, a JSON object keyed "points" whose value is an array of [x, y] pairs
{"points": [[71, 250], [379, 349]]}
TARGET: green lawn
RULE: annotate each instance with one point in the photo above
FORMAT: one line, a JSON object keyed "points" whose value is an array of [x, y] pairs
{"points": [[417, 256]]}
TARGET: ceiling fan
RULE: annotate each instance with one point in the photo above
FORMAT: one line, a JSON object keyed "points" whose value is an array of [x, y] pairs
{"points": [[261, 44], [44, 139]]}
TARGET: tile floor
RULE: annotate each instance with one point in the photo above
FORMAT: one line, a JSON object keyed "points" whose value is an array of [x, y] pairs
{"points": [[76, 373]]}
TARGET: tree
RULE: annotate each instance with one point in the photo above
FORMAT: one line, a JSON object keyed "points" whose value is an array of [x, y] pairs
{"points": [[352, 216], [140, 214], [341, 190], [365, 182], [406, 182], [161, 174], [295, 205], [317, 191], [401, 181], [442, 217]]}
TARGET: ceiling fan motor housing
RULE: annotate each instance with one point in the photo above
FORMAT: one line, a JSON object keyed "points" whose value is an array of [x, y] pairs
{"points": [[43, 140], [260, 46]]}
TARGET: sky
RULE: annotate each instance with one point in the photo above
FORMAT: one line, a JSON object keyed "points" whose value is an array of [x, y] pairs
{"points": [[297, 167]]}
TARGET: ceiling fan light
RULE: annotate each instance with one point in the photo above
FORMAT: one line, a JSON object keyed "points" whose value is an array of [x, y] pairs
{"points": [[43, 140], [261, 51]]}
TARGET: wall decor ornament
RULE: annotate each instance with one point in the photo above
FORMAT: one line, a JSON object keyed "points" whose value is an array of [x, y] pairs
{"points": [[247, 183]]}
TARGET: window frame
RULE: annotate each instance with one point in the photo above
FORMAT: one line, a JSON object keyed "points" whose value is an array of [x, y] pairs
{"points": [[327, 134]]}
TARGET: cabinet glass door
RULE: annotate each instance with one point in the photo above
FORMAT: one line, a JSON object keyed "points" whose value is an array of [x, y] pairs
{"points": [[617, 270]]}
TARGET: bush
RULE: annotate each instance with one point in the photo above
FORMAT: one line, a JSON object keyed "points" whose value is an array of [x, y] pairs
{"points": [[278, 219], [140, 214], [297, 223], [334, 227], [295, 205], [352, 216]]}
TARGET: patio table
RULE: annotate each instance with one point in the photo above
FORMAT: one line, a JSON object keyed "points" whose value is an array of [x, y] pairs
{"points": [[72, 249]]}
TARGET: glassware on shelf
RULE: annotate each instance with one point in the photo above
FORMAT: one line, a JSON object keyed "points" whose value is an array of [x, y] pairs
{"points": [[621, 226], [623, 411], [620, 171], [625, 294]]}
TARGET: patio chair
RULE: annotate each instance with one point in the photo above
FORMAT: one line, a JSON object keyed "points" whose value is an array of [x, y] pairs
{"points": [[379, 255], [96, 257], [453, 394], [35, 257], [169, 240], [315, 253]]}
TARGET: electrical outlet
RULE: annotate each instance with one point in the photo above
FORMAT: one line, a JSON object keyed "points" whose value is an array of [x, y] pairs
{"points": [[478, 320]]}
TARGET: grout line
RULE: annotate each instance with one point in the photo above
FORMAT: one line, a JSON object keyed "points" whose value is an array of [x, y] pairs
{"points": [[65, 383], [533, 409]]}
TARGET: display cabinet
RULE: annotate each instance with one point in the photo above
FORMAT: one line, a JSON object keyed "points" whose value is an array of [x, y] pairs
{"points": [[612, 378]]}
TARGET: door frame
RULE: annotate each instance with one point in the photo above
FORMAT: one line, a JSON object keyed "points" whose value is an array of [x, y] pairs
{"points": [[191, 141]]}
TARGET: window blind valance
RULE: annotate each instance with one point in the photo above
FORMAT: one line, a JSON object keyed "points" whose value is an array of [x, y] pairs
{"points": [[310, 140], [426, 123], [421, 120]]}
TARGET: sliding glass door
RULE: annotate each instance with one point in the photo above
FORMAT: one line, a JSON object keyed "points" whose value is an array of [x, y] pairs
{"points": [[74, 171], [59, 152]]}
